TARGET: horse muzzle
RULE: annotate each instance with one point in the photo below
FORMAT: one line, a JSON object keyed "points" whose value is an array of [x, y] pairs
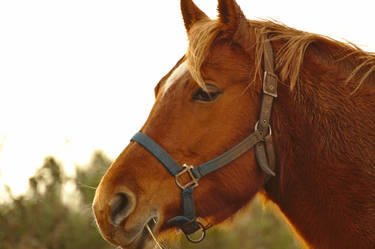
{"points": [[121, 224]]}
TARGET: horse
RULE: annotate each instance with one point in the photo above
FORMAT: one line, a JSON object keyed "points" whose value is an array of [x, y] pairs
{"points": [[313, 155]]}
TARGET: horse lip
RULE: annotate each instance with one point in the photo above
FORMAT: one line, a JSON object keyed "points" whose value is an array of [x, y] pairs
{"points": [[140, 238]]}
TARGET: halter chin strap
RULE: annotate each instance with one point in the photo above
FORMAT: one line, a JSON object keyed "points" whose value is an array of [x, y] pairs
{"points": [[260, 139]]}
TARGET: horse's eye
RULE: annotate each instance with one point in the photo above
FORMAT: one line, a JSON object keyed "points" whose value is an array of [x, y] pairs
{"points": [[208, 95]]}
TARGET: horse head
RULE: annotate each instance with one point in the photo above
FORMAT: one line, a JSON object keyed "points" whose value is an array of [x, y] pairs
{"points": [[204, 106]]}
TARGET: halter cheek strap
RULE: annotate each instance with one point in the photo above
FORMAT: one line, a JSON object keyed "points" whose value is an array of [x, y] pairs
{"points": [[260, 139]]}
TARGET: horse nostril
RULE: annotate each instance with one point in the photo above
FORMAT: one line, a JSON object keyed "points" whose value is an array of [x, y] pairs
{"points": [[120, 208]]}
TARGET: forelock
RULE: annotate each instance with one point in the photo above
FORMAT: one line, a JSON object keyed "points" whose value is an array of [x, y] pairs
{"points": [[201, 37]]}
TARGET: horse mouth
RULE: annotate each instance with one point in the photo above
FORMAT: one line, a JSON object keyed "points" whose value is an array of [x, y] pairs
{"points": [[144, 239]]}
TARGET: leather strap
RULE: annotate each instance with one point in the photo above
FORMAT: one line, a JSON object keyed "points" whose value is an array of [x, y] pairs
{"points": [[155, 149], [269, 87], [228, 156], [271, 154], [264, 151], [261, 157], [187, 222]]}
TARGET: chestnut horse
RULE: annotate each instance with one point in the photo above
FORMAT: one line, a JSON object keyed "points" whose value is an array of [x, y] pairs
{"points": [[323, 126]]}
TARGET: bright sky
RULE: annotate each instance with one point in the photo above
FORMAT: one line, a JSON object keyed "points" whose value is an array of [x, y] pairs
{"points": [[78, 75]]}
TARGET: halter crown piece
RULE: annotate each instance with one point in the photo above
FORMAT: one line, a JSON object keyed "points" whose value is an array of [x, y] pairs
{"points": [[260, 139]]}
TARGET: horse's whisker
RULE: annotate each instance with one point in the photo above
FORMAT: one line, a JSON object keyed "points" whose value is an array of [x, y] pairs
{"points": [[86, 186]]}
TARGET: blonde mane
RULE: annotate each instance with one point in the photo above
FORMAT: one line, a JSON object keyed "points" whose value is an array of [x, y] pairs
{"points": [[289, 59]]}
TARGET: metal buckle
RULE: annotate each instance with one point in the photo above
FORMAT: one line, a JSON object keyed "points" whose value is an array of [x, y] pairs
{"points": [[194, 181], [270, 87], [269, 129]]}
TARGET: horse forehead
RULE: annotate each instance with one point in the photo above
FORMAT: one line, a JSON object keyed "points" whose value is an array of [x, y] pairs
{"points": [[175, 76]]}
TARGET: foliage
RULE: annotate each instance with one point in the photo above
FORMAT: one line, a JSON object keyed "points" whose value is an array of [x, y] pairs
{"points": [[41, 219]]}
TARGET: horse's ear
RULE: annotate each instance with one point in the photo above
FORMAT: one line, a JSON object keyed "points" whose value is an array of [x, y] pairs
{"points": [[233, 22], [191, 13]]}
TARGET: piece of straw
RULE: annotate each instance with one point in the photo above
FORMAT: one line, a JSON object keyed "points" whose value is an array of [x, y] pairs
{"points": [[153, 236]]}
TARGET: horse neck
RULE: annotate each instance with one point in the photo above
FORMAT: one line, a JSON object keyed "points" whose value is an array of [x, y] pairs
{"points": [[326, 155]]}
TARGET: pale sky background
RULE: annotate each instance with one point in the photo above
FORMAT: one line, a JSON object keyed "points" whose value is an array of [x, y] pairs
{"points": [[78, 75]]}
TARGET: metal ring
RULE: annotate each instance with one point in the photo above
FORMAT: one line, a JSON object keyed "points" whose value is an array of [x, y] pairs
{"points": [[269, 128], [201, 238]]}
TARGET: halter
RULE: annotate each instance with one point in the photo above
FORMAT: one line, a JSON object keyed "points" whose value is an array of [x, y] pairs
{"points": [[260, 139]]}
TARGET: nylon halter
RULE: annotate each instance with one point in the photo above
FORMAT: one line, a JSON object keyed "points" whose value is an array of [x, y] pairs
{"points": [[260, 139]]}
